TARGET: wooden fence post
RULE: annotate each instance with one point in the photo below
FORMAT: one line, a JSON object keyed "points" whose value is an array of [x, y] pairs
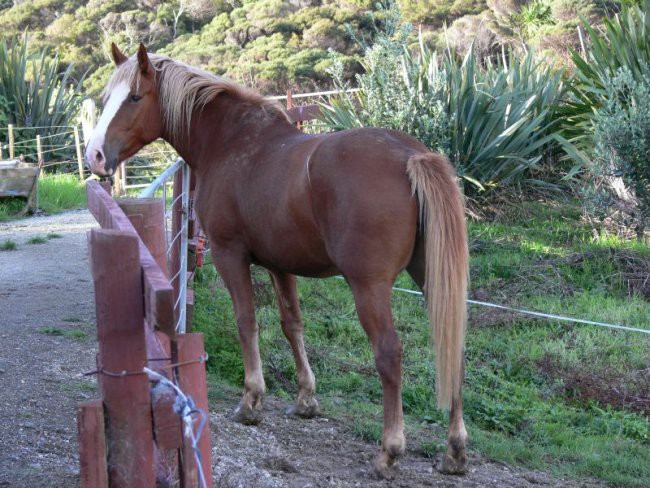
{"points": [[117, 275], [148, 217], [80, 159], [39, 150], [93, 470], [12, 154], [192, 381]]}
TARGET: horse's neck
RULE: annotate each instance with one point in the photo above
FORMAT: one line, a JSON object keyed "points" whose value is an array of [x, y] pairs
{"points": [[222, 126]]}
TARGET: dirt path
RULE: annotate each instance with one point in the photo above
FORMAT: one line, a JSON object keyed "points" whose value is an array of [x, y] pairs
{"points": [[47, 332], [48, 339]]}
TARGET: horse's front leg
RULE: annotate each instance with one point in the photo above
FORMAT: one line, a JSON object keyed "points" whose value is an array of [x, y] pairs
{"points": [[292, 325], [234, 268]]}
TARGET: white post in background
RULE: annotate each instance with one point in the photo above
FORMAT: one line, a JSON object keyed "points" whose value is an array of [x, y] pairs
{"points": [[88, 118]]}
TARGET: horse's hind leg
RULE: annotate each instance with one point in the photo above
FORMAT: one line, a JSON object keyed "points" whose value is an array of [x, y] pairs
{"points": [[455, 460], [234, 268], [373, 306], [292, 325]]}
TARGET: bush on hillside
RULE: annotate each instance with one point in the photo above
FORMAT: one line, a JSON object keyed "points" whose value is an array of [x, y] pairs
{"points": [[620, 173], [393, 92], [495, 120]]}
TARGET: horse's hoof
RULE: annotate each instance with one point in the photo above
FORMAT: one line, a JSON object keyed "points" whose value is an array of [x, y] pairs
{"points": [[386, 466], [305, 410], [385, 470], [450, 465], [246, 415]]}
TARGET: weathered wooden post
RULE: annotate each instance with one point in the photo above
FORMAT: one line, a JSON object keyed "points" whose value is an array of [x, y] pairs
{"points": [[80, 159], [117, 181], [122, 356], [39, 150], [12, 154], [192, 381], [91, 426], [148, 217]]}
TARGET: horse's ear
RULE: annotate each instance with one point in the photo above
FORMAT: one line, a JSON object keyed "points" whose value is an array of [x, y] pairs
{"points": [[143, 60], [118, 56]]}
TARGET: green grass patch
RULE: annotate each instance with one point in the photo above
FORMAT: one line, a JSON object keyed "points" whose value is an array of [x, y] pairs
{"points": [[8, 245], [10, 207], [59, 332], [565, 398], [37, 240], [53, 235], [56, 193], [61, 192]]}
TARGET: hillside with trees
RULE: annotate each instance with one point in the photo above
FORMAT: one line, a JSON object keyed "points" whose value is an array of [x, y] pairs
{"points": [[272, 45]]}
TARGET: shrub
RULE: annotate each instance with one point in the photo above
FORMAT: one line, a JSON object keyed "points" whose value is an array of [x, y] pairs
{"points": [[622, 149], [37, 92], [397, 91], [495, 122], [622, 42]]}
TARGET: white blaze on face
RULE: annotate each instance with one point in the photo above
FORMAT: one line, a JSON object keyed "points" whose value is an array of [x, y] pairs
{"points": [[94, 148]]}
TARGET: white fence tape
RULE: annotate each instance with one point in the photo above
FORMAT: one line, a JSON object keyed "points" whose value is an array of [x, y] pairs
{"points": [[536, 314]]}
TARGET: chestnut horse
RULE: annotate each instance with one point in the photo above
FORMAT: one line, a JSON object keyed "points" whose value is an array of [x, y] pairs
{"points": [[363, 203]]}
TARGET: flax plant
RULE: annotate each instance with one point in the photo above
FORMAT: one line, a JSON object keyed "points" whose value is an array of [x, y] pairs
{"points": [[496, 119], [36, 92]]}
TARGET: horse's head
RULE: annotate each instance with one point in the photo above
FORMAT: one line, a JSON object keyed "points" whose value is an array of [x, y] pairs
{"points": [[131, 118]]}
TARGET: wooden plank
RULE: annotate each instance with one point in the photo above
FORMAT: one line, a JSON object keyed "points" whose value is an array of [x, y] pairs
{"points": [[167, 425], [158, 293], [192, 381], [115, 264], [93, 468], [152, 212], [17, 182]]}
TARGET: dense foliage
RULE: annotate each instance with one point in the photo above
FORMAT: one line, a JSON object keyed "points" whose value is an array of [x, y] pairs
{"points": [[35, 92], [272, 44], [609, 112], [622, 137], [495, 120]]}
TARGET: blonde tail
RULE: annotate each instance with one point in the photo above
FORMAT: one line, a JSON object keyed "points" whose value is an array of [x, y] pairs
{"points": [[442, 217]]}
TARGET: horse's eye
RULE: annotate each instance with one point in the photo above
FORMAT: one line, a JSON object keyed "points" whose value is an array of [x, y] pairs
{"points": [[136, 98]]}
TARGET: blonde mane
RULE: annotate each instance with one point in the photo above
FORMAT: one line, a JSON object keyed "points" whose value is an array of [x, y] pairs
{"points": [[183, 88]]}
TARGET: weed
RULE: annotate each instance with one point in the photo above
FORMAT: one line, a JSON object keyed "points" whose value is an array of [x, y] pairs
{"points": [[8, 245], [54, 235], [37, 240], [61, 192], [52, 331], [57, 331]]}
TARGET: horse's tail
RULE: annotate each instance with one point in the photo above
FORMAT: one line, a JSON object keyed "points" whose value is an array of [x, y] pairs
{"points": [[442, 220]]}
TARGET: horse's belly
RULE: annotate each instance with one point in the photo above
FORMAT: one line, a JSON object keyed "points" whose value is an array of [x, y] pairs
{"points": [[295, 255]]}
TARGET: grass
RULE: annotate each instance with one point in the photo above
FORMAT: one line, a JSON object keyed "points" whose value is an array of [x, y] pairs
{"points": [[565, 398], [56, 193], [58, 332], [37, 240], [8, 245], [61, 192]]}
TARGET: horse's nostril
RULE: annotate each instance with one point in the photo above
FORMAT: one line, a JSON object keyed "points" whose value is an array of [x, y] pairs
{"points": [[99, 157]]}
